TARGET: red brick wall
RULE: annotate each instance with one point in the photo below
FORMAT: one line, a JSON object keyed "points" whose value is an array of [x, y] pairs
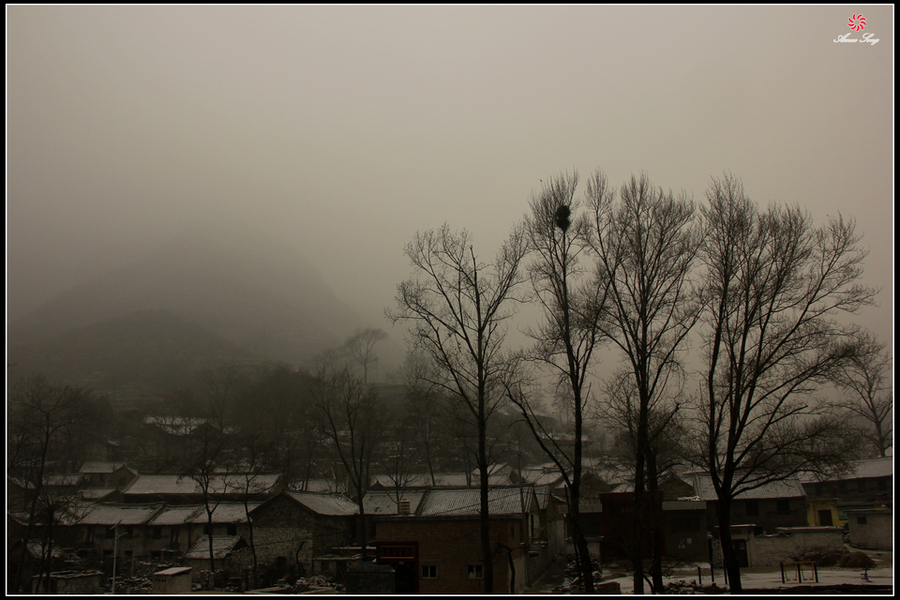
{"points": [[451, 545]]}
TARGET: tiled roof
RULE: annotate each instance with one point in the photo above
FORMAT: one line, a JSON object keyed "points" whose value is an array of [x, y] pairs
{"points": [[873, 467], [466, 502], [172, 484], [789, 488], [225, 512], [175, 515], [222, 545], [123, 514], [325, 504], [385, 502]]}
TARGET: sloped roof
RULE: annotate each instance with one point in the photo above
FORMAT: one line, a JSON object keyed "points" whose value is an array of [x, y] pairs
{"points": [[97, 493], [175, 515], [222, 545], [327, 486], [225, 512], [123, 514], [102, 467], [874, 467], [861, 469], [383, 502], [173, 484], [789, 488], [324, 504], [466, 502], [444, 480]]}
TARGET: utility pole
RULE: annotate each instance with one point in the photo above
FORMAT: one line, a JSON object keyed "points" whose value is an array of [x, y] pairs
{"points": [[116, 537]]}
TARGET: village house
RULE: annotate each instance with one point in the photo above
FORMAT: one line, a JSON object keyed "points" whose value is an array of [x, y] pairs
{"points": [[101, 474], [293, 529], [868, 484], [435, 548]]}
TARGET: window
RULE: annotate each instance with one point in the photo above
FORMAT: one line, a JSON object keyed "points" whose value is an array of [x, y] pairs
{"points": [[156, 532], [429, 571], [752, 508], [783, 506], [861, 521], [175, 535], [475, 571]]}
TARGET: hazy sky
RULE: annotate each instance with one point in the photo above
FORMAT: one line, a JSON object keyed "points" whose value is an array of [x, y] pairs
{"points": [[345, 129]]}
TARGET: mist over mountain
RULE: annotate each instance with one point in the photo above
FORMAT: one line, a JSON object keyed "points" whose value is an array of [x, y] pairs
{"points": [[206, 296]]}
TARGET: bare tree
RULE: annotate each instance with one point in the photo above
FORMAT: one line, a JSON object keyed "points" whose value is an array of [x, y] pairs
{"points": [[361, 347], [354, 420], [457, 306], [866, 391], [665, 447], [645, 245], [774, 285], [41, 417], [425, 407], [573, 307]]}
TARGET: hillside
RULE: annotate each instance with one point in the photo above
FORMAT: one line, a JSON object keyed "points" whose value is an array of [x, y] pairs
{"points": [[131, 357], [195, 300]]}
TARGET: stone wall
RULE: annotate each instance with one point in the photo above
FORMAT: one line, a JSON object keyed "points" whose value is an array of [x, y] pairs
{"points": [[790, 543]]}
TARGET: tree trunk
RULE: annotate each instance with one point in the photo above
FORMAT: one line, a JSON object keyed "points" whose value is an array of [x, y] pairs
{"points": [[655, 522], [486, 550], [732, 566]]}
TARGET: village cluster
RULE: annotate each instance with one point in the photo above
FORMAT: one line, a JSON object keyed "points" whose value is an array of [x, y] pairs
{"points": [[424, 535]]}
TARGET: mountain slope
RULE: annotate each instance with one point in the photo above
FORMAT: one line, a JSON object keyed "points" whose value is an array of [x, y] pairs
{"points": [[261, 298]]}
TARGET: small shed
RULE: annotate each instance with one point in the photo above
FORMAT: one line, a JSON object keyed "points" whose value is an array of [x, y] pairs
{"points": [[871, 528], [72, 582], [176, 580]]}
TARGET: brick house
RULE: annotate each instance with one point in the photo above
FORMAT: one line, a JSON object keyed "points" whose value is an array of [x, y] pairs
{"points": [[292, 529], [436, 548]]}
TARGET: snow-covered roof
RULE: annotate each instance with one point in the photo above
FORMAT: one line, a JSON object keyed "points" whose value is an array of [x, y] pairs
{"points": [[466, 502], [123, 514], [174, 484], [383, 502], [789, 488], [225, 512], [175, 515], [96, 493], [873, 467], [222, 545], [324, 504], [328, 486]]}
